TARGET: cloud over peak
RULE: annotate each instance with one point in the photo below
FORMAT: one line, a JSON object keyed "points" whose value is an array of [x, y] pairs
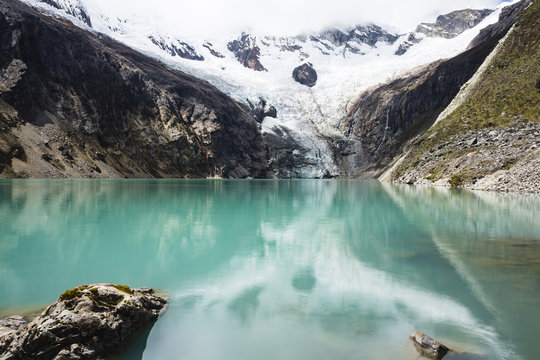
{"points": [[282, 17]]}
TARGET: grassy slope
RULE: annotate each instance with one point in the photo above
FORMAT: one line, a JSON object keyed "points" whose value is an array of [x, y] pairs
{"points": [[509, 90]]}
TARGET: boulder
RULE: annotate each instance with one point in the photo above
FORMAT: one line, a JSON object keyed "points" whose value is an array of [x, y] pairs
{"points": [[428, 347], [305, 74], [87, 322]]}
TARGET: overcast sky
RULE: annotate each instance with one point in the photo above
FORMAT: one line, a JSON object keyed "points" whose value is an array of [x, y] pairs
{"points": [[284, 17]]}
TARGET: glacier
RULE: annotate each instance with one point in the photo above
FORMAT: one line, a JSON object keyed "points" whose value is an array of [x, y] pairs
{"points": [[348, 61]]}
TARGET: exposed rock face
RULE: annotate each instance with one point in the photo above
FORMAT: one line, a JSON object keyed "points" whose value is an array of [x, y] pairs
{"points": [[406, 45], [369, 34], [88, 322], [305, 74], [247, 52], [83, 106], [177, 48], [71, 7], [428, 347], [288, 156], [454, 23], [212, 51], [383, 119], [262, 110], [333, 41]]}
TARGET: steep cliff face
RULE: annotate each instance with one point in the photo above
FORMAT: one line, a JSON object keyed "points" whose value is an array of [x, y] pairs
{"points": [[73, 104], [384, 119], [489, 138]]}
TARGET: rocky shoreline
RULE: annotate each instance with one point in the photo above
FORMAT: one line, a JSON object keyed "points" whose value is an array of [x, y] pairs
{"points": [[486, 159], [86, 322]]}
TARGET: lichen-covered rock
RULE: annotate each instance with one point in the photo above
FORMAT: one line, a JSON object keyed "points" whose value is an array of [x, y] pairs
{"points": [[428, 347], [305, 74], [87, 322]]}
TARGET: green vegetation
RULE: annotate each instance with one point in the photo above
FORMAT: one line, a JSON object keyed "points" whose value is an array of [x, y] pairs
{"points": [[435, 174], [124, 288], [73, 293], [456, 180], [507, 92], [97, 299], [104, 301]]}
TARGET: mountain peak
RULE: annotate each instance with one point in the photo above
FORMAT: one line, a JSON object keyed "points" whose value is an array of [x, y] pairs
{"points": [[452, 24]]}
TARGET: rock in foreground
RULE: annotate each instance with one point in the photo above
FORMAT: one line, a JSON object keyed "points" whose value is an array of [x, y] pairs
{"points": [[87, 322], [428, 347]]}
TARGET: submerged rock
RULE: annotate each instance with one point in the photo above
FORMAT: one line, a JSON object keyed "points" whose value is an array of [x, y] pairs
{"points": [[304, 280], [305, 74], [87, 322], [428, 347]]}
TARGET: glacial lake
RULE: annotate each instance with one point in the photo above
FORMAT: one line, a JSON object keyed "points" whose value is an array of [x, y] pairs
{"points": [[285, 270]]}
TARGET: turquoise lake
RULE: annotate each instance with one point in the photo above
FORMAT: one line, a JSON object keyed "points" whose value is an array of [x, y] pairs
{"points": [[279, 270]]}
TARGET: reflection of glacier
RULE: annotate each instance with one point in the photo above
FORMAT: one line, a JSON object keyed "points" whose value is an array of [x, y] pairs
{"points": [[499, 257], [287, 269], [357, 286]]}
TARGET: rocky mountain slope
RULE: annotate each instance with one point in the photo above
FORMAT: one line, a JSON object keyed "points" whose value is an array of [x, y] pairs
{"points": [[304, 135], [383, 119], [342, 102], [489, 138], [79, 105]]}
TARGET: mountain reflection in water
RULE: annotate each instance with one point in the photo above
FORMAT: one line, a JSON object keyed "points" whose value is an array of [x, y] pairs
{"points": [[286, 269]]}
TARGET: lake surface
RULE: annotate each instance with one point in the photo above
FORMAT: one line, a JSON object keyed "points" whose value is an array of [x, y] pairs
{"points": [[281, 270]]}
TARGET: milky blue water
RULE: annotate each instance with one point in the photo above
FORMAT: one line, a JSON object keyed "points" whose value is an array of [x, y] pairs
{"points": [[286, 269]]}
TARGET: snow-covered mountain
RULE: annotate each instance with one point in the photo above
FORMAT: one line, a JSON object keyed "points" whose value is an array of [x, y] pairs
{"points": [[304, 124]]}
